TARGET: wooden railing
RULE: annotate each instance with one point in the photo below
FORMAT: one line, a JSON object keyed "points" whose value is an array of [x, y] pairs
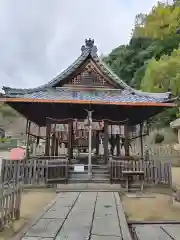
{"points": [[35, 171], [43, 171], [10, 200], [155, 172], [57, 171]]}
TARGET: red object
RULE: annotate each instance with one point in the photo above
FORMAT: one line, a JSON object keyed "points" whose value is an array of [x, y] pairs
{"points": [[17, 153], [101, 124]]}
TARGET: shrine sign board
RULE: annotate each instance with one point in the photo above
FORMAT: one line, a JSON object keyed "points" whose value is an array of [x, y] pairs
{"points": [[79, 168]]}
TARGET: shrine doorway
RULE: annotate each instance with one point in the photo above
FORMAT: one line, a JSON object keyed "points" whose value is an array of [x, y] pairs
{"points": [[70, 137]]}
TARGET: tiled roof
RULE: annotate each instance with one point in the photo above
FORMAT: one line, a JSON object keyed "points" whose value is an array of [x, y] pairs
{"points": [[89, 50], [66, 94]]}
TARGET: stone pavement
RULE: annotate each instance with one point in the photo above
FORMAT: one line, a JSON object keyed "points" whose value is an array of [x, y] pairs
{"points": [[81, 216]]}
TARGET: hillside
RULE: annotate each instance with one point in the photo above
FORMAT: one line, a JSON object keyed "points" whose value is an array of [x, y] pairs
{"points": [[151, 60], [11, 121]]}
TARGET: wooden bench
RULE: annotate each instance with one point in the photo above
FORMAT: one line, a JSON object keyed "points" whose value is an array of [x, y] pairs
{"points": [[128, 175]]}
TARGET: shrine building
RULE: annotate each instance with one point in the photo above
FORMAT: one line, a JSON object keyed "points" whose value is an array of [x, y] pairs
{"points": [[88, 107]]}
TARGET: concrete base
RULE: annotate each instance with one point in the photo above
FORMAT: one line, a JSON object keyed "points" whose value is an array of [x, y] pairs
{"points": [[89, 187]]}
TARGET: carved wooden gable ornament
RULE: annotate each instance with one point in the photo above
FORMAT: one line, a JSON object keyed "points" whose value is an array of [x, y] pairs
{"points": [[90, 76]]}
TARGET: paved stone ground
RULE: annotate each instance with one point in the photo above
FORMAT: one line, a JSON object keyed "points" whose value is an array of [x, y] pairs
{"points": [[81, 216]]}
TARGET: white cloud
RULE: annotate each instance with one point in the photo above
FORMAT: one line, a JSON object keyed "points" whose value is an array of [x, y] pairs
{"points": [[39, 38]]}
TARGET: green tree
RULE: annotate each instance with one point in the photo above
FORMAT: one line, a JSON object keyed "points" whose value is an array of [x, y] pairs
{"points": [[162, 74], [151, 60], [163, 21], [126, 60]]}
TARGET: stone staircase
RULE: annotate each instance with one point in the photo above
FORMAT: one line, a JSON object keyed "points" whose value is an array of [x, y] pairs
{"points": [[100, 174]]}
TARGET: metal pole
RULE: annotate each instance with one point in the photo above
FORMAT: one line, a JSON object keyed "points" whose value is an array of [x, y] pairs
{"points": [[90, 144]]}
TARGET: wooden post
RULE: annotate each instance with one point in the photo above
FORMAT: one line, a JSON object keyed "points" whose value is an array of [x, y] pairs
{"points": [[38, 136], [48, 133], [70, 128], [28, 127], [106, 140], [126, 142], [56, 143], [141, 140], [52, 153], [97, 142], [27, 152], [118, 145]]}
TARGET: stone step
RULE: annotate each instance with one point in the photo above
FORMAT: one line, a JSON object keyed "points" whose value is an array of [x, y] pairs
{"points": [[100, 166], [72, 180], [86, 172], [100, 175], [100, 170]]}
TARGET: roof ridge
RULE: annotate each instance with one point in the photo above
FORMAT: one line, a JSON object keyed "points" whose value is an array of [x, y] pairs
{"points": [[89, 49]]}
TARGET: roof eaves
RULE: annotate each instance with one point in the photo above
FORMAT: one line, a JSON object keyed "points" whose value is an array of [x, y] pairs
{"points": [[54, 81], [70, 69], [88, 49], [123, 85]]}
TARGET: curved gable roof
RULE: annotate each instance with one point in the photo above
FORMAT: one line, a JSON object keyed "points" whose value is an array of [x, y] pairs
{"points": [[87, 50]]}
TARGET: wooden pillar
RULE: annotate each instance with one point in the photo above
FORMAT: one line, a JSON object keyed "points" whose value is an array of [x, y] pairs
{"points": [[126, 142], [70, 128], [56, 143], [48, 135], [72, 137], [28, 127], [106, 140], [38, 136], [118, 145], [52, 153], [97, 142], [141, 140]]}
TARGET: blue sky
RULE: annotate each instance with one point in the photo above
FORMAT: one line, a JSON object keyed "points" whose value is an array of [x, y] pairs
{"points": [[39, 38]]}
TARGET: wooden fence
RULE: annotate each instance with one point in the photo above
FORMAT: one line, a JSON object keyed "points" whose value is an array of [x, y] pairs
{"points": [[163, 152], [34, 171], [10, 201], [155, 172], [57, 171], [43, 171]]}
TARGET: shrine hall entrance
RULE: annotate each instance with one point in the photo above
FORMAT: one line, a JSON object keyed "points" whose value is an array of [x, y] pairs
{"points": [[69, 139]]}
